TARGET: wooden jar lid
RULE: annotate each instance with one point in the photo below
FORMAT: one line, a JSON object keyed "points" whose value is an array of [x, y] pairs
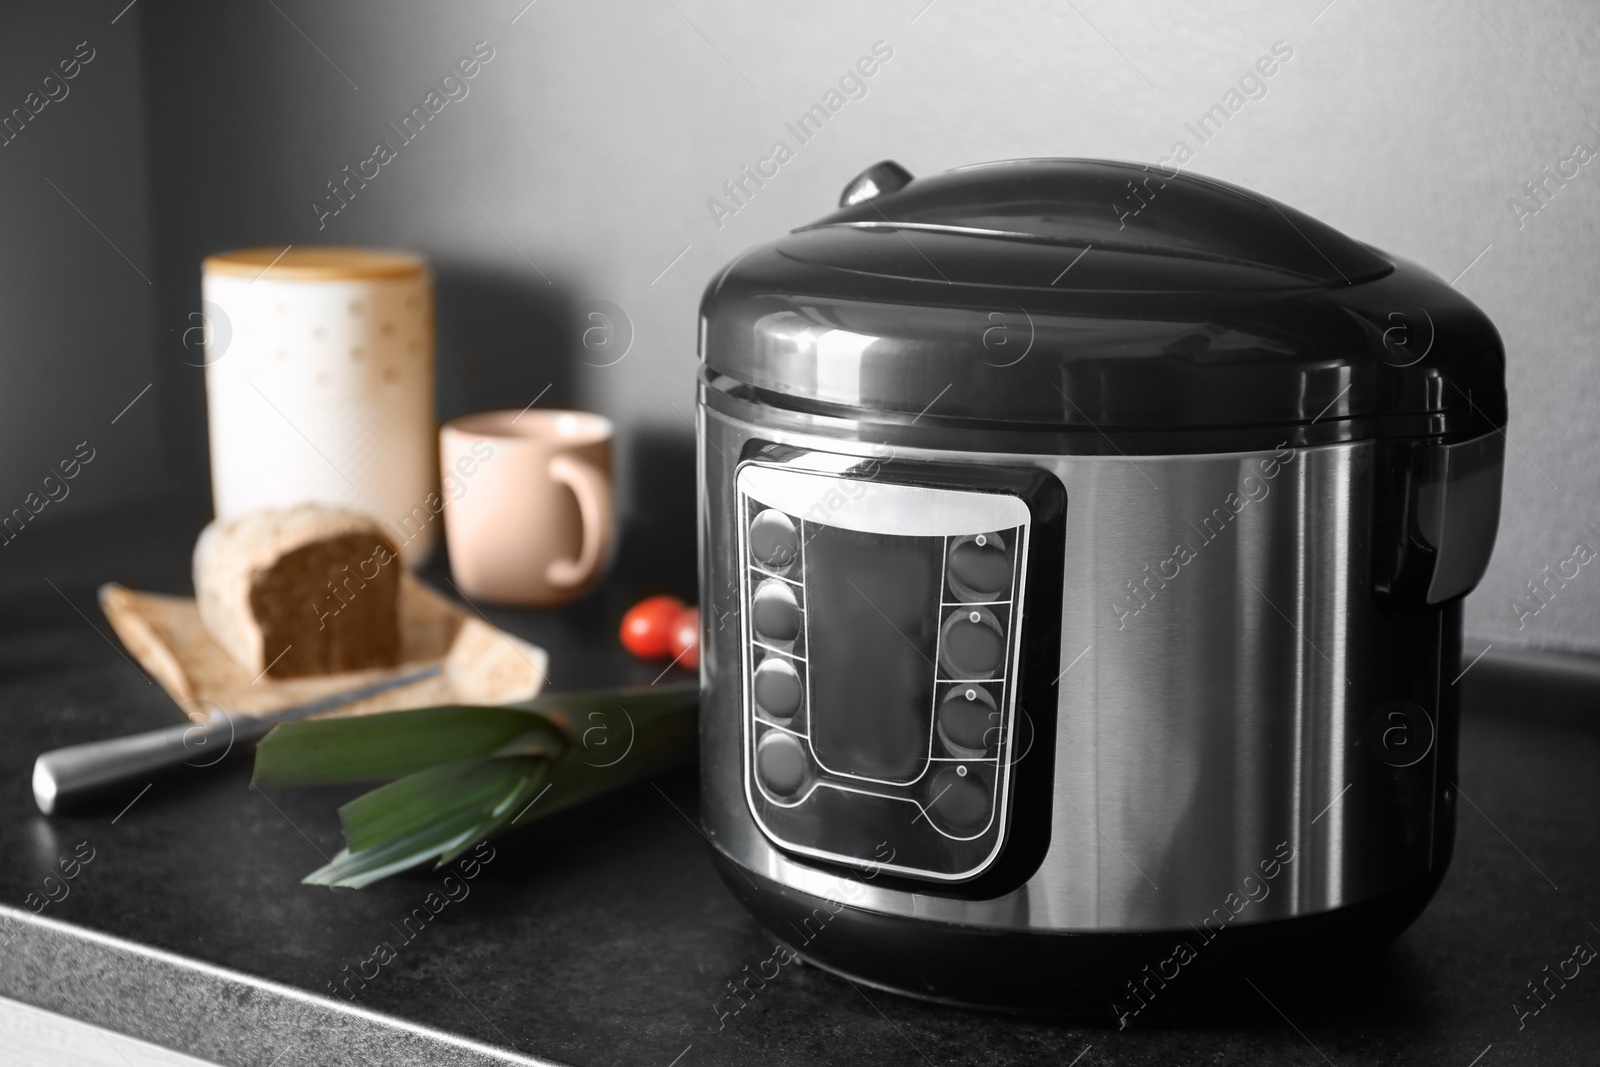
{"points": [[318, 263]]}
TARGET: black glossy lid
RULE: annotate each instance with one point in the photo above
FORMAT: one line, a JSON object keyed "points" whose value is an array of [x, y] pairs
{"points": [[1068, 294]]}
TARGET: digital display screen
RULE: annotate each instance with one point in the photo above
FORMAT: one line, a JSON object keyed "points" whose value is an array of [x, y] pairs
{"points": [[872, 640]]}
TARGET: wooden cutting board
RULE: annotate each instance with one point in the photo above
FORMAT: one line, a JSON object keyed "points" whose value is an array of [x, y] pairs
{"points": [[482, 664]]}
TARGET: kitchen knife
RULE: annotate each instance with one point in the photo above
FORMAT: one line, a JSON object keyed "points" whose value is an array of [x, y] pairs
{"points": [[66, 774]]}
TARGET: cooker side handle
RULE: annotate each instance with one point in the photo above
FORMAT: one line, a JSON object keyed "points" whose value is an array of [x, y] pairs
{"points": [[1458, 512], [1439, 509]]}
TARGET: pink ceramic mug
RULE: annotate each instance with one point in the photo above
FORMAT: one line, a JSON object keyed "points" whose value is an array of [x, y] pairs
{"points": [[527, 503]]}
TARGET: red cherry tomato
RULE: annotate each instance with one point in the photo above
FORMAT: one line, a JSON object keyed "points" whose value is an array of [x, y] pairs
{"points": [[647, 627], [686, 639]]}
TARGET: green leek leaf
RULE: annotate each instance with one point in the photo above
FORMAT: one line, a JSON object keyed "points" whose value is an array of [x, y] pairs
{"points": [[657, 734], [455, 823], [365, 748], [353, 870], [474, 788], [464, 774], [514, 805]]}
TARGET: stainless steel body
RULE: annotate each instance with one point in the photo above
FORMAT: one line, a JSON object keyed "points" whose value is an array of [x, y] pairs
{"points": [[1222, 664]]}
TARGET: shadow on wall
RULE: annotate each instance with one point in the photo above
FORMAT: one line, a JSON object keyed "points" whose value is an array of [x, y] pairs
{"points": [[658, 549], [503, 339]]}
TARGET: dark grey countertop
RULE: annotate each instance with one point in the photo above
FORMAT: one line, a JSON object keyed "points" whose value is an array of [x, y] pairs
{"points": [[603, 936]]}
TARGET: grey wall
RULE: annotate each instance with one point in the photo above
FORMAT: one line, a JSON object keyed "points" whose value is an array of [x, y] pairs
{"points": [[585, 153], [77, 340]]}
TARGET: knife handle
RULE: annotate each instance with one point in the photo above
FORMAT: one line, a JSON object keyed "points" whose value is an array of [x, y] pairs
{"points": [[65, 775]]}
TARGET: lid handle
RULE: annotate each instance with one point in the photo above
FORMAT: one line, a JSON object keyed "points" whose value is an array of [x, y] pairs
{"points": [[876, 180]]}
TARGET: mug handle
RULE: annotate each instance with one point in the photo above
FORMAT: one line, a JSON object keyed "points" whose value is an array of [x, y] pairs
{"points": [[594, 507]]}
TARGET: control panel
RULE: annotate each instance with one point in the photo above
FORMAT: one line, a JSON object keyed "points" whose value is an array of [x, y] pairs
{"points": [[880, 626]]}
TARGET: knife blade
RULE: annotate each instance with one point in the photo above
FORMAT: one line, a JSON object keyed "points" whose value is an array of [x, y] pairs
{"points": [[63, 775]]}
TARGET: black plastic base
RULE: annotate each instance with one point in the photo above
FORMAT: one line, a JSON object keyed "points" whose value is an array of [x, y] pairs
{"points": [[1115, 978]]}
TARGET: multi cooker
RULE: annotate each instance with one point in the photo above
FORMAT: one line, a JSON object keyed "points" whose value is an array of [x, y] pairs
{"points": [[1082, 554]]}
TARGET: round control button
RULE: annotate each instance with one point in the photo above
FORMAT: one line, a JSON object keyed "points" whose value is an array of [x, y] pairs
{"points": [[980, 568], [971, 643], [958, 801], [969, 722], [781, 763], [773, 540], [774, 611], [777, 688]]}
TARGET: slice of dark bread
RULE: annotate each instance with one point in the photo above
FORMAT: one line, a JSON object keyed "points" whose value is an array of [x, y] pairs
{"points": [[298, 591]]}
